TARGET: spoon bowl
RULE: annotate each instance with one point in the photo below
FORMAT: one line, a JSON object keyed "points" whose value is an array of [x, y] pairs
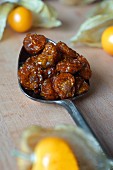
{"points": [[68, 104], [29, 93]]}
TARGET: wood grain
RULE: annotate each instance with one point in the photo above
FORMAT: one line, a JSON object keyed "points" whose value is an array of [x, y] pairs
{"points": [[17, 111]]}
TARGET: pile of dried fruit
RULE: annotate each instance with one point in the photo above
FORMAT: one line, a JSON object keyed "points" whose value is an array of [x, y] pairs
{"points": [[53, 71]]}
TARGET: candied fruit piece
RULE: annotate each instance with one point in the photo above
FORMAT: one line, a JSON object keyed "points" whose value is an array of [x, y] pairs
{"points": [[47, 90], [64, 85], [33, 43], [49, 56]]}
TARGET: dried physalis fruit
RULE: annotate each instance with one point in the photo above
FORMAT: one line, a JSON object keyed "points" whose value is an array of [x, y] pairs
{"points": [[81, 85], [33, 43], [85, 71], [53, 71], [69, 65], [30, 74], [48, 57], [47, 90], [65, 50], [49, 72], [64, 85]]}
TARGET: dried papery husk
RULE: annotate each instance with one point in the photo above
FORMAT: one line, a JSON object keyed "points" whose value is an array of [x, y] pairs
{"points": [[44, 15], [91, 30], [84, 147], [4, 11], [76, 2], [104, 7]]}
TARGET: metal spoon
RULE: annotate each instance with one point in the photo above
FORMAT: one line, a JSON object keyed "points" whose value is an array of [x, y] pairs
{"points": [[66, 103]]}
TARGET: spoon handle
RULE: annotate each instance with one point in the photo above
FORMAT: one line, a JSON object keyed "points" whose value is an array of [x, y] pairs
{"points": [[75, 114], [81, 122]]}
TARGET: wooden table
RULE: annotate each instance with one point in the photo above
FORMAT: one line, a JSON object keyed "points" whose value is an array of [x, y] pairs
{"points": [[17, 111]]}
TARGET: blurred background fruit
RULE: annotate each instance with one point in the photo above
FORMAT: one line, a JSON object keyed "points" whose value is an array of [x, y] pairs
{"points": [[107, 40], [20, 19]]}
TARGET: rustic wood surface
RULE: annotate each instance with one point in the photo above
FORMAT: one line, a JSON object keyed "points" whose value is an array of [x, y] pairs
{"points": [[17, 111]]}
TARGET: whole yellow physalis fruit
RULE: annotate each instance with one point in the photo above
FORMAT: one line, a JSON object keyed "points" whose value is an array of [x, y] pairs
{"points": [[107, 40], [54, 154], [20, 19]]}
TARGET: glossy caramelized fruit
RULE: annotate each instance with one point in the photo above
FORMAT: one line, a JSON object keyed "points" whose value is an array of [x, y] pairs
{"points": [[53, 70]]}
